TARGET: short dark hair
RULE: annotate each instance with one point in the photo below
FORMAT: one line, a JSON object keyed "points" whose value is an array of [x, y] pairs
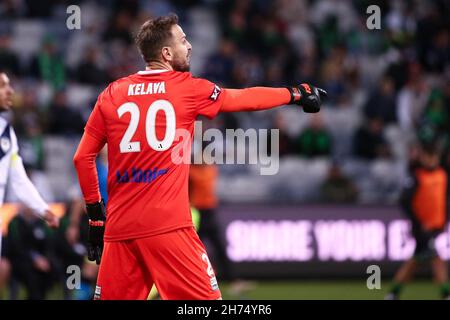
{"points": [[155, 34]]}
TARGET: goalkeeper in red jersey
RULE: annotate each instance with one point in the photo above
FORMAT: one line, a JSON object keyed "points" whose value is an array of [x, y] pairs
{"points": [[146, 235]]}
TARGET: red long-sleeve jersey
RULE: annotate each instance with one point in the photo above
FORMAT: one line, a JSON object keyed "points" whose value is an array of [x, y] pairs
{"points": [[141, 117]]}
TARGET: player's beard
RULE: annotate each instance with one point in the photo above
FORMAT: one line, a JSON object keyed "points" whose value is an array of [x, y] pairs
{"points": [[181, 64]]}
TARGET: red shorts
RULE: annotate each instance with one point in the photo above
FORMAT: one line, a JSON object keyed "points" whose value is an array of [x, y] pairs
{"points": [[176, 262]]}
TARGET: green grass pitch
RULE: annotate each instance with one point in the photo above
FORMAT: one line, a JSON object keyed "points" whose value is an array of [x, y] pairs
{"points": [[307, 290]]}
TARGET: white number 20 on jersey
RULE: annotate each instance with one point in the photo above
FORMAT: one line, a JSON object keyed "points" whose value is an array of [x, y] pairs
{"points": [[126, 145]]}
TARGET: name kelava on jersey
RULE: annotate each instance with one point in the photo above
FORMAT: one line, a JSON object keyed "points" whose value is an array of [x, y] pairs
{"points": [[139, 176], [139, 89]]}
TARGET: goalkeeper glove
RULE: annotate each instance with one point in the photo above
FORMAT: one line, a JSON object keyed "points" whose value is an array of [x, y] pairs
{"points": [[97, 218], [307, 96]]}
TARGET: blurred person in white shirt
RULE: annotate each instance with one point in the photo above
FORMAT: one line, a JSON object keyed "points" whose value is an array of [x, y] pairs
{"points": [[12, 172]]}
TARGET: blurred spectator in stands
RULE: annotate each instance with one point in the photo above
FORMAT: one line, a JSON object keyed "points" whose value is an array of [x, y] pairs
{"points": [[382, 103], [11, 9], [337, 188], [295, 19], [354, 90], [285, 143], [5, 266], [332, 73], [432, 40], [430, 133], [369, 142], [132, 7], [274, 76], [333, 19], [248, 72], [400, 23], [292, 11], [39, 9], [236, 24], [48, 64], [122, 60], [398, 71], [63, 119], [437, 56], [412, 98], [32, 143], [94, 19], [219, 66], [306, 71], [28, 123], [9, 61], [344, 120], [89, 71], [27, 110], [437, 112], [119, 28], [71, 244], [30, 245], [315, 140], [272, 35], [158, 8], [328, 34]]}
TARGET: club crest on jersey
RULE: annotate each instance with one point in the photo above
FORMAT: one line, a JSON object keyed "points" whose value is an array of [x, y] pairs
{"points": [[5, 144], [216, 92]]}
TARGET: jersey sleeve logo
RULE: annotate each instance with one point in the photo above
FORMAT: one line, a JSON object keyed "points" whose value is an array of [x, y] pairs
{"points": [[5, 144], [216, 92]]}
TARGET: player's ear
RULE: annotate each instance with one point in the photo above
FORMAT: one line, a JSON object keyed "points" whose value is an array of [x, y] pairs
{"points": [[167, 53]]}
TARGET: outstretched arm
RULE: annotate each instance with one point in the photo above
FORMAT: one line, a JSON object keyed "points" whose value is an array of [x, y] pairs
{"points": [[253, 99], [262, 98]]}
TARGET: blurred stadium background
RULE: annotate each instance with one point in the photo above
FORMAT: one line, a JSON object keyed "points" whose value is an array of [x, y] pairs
{"points": [[310, 231]]}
